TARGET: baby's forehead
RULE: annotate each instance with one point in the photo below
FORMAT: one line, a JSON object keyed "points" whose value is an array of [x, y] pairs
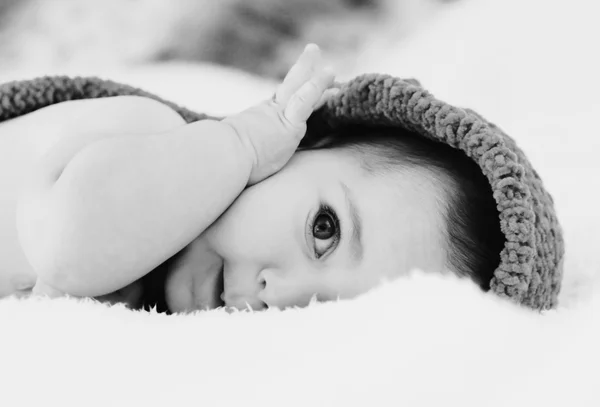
{"points": [[381, 179], [417, 191], [403, 216], [394, 172]]}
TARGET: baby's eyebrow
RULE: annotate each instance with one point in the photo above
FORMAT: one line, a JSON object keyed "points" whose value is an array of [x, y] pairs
{"points": [[356, 247]]}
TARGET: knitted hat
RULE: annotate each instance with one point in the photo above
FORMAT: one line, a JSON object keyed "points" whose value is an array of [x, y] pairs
{"points": [[530, 269]]}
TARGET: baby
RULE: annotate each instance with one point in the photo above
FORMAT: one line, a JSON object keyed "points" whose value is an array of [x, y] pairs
{"points": [[148, 210]]}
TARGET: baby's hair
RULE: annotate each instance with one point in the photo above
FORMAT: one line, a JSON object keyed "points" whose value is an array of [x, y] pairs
{"points": [[473, 230]]}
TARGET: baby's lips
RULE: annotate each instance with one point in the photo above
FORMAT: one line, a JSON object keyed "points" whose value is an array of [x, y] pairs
{"points": [[241, 303], [42, 289]]}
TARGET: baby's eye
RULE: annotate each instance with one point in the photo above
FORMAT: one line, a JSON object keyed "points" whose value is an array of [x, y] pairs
{"points": [[325, 231], [324, 227]]}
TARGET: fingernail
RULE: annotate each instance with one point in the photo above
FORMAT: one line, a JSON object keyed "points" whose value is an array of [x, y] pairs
{"points": [[310, 47]]}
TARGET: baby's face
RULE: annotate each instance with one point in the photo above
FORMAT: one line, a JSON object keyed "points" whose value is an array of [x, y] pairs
{"points": [[320, 227]]}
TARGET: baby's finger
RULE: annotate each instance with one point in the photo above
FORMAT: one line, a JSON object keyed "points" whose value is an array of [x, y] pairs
{"points": [[302, 103], [299, 74], [329, 93]]}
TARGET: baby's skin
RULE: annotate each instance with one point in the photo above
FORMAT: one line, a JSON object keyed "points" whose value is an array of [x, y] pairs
{"points": [[250, 146], [100, 210]]}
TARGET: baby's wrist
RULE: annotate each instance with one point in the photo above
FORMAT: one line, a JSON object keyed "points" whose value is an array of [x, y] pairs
{"points": [[242, 148]]}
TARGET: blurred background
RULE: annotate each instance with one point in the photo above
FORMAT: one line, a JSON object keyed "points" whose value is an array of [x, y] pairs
{"points": [[244, 45], [531, 66], [262, 37]]}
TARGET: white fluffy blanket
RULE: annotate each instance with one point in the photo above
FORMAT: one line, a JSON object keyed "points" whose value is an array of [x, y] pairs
{"points": [[426, 341], [423, 341]]}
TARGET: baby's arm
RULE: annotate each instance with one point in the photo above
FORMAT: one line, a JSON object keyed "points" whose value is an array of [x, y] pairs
{"points": [[125, 204], [122, 205]]}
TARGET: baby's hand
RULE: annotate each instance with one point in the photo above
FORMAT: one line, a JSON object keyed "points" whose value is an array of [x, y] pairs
{"points": [[272, 130]]}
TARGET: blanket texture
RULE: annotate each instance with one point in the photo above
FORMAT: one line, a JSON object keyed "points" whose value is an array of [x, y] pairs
{"points": [[531, 263]]}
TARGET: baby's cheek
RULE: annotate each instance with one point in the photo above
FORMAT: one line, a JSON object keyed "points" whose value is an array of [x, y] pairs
{"points": [[257, 223]]}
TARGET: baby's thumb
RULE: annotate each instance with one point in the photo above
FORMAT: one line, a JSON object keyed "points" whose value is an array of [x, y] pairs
{"points": [[309, 97]]}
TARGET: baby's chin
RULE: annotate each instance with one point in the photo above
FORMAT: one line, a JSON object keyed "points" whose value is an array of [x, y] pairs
{"points": [[196, 280]]}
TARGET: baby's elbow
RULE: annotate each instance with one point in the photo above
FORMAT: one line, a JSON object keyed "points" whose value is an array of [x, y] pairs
{"points": [[65, 260], [49, 245], [73, 259], [50, 235]]}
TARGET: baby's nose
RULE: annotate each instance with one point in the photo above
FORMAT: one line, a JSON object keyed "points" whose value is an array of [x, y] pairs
{"points": [[282, 290]]}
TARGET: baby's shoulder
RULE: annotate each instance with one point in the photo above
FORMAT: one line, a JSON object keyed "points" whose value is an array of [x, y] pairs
{"points": [[118, 114], [37, 132]]}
